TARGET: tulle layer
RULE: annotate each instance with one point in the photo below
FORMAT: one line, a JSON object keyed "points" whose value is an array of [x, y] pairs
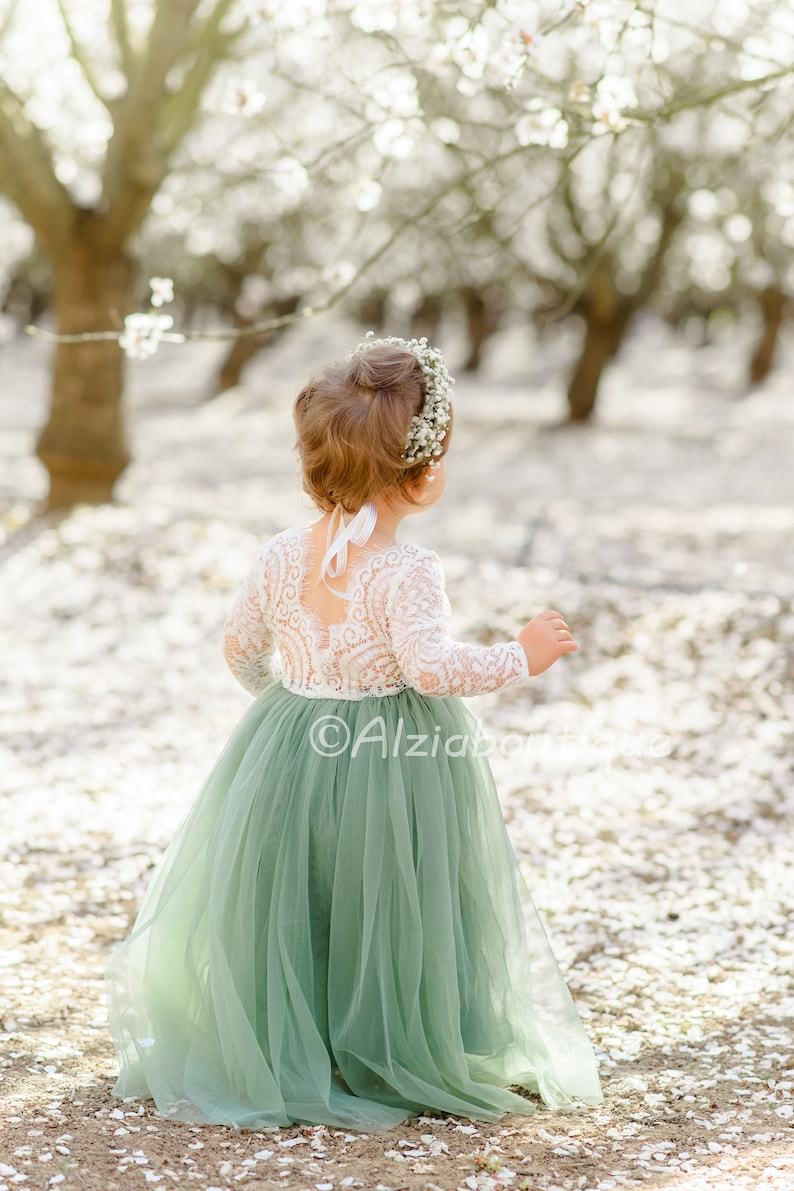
{"points": [[339, 934]]}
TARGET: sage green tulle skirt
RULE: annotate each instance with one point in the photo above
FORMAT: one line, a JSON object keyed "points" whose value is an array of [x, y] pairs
{"points": [[339, 933]]}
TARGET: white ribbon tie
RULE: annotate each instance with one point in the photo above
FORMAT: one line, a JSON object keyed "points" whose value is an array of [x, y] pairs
{"points": [[358, 531]]}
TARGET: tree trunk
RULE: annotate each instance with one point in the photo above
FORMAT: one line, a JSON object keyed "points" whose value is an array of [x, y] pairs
{"points": [[483, 312], [84, 444], [246, 347], [238, 355], [371, 310], [772, 306], [426, 318], [607, 315], [608, 312], [593, 359]]}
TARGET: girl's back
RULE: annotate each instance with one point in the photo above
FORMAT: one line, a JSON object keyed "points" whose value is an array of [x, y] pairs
{"points": [[336, 933], [386, 632]]}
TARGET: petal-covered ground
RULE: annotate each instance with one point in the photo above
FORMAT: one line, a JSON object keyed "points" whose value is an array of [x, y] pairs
{"points": [[647, 781]]}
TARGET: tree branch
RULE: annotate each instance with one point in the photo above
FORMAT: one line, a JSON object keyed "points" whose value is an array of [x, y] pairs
{"points": [[672, 216], [8, 18], [80, 56], [118, 16], [706, 98], [272, 324], [708, 36], [572, 211], [27, 177], [138, 153], [210, 47]]}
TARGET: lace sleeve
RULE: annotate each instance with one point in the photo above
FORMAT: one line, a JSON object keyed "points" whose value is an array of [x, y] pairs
{"points": [[430, 660], [248, 642]]}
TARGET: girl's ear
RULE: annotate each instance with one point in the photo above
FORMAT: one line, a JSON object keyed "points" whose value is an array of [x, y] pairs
{"points": [[423, 484]]}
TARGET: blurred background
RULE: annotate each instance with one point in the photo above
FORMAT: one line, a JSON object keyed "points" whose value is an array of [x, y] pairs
{"points": [[564, 173]]}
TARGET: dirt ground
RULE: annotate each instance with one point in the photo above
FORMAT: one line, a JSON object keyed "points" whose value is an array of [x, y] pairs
{"points": [[647, 782]]}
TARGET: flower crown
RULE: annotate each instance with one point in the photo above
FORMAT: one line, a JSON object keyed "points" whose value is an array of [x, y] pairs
{"points": [[428, 429]]}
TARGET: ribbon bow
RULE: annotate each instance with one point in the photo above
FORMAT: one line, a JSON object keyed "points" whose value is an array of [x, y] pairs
{"points": [[358, 531]]}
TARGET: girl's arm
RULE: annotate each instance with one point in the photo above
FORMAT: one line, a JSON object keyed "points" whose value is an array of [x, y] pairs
{"points": [[428, 657], [248, 642]]}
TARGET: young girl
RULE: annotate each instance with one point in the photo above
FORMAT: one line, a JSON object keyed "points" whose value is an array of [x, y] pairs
{"points": [[336, 933]]}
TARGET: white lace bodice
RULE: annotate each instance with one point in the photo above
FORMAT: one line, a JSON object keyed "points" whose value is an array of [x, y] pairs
{"points": [[394, 635]]}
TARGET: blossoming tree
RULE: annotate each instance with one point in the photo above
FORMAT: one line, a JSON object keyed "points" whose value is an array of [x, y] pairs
{"points": [[128, 127], [91, 118]]}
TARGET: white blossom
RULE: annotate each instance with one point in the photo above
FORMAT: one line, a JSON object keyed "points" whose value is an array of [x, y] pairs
{"points": [[243, 97], [614, 94], [339, 275], [297, 14], [446, 129], [392, 138], [396, 95], [162, 290], [290, 176], [375, 16], [366, 194], [144, 332], [738, 228], [541, 125]]}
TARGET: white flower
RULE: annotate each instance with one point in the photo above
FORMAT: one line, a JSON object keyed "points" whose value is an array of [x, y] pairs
{"points": [[366, 194], [446, 130], [493, 50], [339, 275], [614, 94], [738, 228], [396, 96], [162, 290], [243, 97], [290, 176], [299, 14], [439, 57], [143, 334], [257, 11], [542, 126], [508, 61], [607, 18], [375, 16], [472, 52], [393, 139]]}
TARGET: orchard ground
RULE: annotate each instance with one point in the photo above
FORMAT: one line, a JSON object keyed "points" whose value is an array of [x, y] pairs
{"points": [[646, 781]]}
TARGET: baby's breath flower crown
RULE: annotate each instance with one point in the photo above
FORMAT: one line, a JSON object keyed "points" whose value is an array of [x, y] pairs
{"points": [[428, 429]]}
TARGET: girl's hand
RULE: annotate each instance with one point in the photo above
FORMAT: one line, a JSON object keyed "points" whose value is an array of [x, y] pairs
{"points": [[545, 639]]}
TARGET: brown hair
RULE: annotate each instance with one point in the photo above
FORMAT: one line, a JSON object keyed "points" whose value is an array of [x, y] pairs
{"points": [[352, 422]]}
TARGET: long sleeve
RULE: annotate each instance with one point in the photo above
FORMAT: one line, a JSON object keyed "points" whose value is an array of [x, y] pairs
{"points": [[430, 660], [248, 643]]}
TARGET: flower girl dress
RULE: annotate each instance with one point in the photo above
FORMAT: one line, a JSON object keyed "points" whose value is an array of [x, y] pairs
{"points": [[339, 932]]}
